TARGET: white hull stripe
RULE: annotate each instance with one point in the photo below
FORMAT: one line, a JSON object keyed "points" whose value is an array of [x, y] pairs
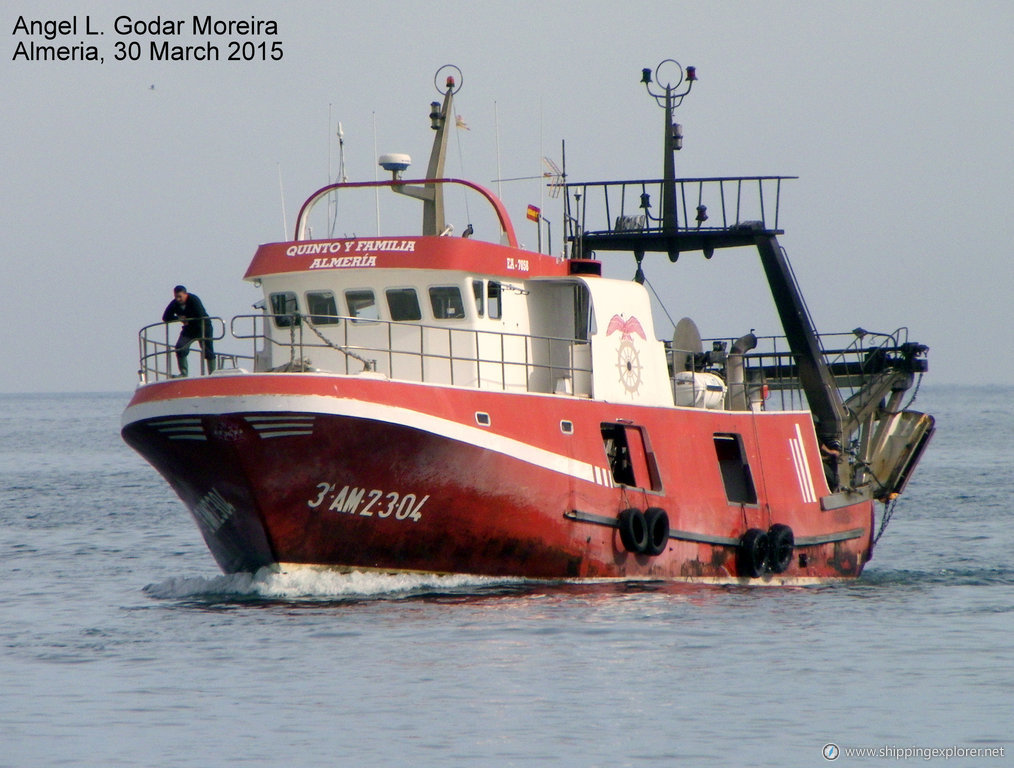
{"points": [[390, 414], [603, 477], [281, 426], [802, 467], [188, 428], [180, 429]]}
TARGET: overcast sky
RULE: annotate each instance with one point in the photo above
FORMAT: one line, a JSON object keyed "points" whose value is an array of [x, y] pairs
{"points": [[121, 179]]}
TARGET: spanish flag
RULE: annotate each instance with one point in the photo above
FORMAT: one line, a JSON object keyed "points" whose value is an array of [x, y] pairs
{"points": [[534, 214]]}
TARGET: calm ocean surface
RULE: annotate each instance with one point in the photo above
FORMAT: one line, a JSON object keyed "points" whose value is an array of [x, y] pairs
{"points": [[121, 644]]}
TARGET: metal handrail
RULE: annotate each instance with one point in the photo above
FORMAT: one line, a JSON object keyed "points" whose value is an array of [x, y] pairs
{"points": [[706, 196], [153, 351], [361, 357], [851, 358]]}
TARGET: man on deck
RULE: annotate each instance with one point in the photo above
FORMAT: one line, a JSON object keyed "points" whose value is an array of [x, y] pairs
{"points": [[188, 309]]}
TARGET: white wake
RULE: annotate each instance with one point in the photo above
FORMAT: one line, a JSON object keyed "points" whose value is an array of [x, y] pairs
{"points": [[318, 583]]}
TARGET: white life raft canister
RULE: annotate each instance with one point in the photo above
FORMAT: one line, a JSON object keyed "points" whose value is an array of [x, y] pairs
{"points": [[699, 390]]}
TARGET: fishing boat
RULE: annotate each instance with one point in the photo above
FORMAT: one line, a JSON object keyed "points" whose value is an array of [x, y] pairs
{"points": [[425, 401]]}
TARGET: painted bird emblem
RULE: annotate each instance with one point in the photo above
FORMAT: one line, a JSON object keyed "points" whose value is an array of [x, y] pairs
{"points": [[625, 327]]}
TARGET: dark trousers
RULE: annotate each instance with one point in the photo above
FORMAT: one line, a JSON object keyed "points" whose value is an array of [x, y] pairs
{"points": [[183, 349]]}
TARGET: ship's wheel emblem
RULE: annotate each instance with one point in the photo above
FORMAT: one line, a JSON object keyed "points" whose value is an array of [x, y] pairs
{"points": [[628, 360], [629, 364]]}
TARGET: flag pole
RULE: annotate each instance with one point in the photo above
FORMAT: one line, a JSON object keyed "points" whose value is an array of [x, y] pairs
{"points": [[534, 213]]}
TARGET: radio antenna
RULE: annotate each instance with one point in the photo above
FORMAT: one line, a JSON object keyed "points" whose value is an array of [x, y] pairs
{"points": [[342, 178], [281, 190]]}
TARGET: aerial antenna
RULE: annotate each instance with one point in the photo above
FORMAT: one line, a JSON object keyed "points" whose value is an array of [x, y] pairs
{"points": [[376, 176], [333, 203], [555, 176], [552, 174], [281, 190], [459, 126], [542, 189], [341, 154], [496, 123]]}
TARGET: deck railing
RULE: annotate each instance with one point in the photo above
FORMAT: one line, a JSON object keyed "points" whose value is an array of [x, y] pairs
{"points": [[400, 350], [701, 204], [504, 361], [853, 359], [157, 350]]}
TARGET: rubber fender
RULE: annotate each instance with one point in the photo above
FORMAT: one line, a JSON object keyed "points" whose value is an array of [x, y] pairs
{"points": [[633, 530], [657, 522], [752, 553], [781, 542]]}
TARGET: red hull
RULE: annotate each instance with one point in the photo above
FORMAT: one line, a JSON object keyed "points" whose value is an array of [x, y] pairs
{"points": [[276, 471]]}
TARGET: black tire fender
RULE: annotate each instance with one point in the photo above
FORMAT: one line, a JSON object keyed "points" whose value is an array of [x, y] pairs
{"points": [[752, 553], [633, 530], [657, 522], [781, 543]]}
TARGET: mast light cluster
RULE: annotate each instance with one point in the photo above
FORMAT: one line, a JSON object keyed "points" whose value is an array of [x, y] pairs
{"points": [[670, 96]]}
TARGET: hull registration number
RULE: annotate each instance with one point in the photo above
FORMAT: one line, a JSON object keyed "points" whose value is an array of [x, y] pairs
{"points": [[351, 500]]}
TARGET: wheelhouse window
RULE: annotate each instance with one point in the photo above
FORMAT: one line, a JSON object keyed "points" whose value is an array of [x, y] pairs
{"points": [[584, 318], [285, 309], [403, 304], [322, 308], [480, 304], [493, 299], [362, 305], [736, 475], [446, 302]]}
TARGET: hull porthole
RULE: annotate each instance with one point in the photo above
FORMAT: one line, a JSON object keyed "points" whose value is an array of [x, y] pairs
{"points": [[780, 546], [657, 522], [752, 553], [633, 530]]}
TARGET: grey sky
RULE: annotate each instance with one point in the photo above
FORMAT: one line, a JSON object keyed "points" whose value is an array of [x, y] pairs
{"points": [[896, 116]]}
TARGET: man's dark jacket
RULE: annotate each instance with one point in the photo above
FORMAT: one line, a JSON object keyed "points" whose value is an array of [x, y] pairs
{"points": [[196, 321]]}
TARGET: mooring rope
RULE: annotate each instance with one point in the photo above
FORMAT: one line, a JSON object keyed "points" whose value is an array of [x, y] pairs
{"points": [[367, 364]]}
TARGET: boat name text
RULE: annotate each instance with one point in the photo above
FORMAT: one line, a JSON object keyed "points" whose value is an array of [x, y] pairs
{"points": [[213, 510], [344, 262], [348, 246], [351, 500]]}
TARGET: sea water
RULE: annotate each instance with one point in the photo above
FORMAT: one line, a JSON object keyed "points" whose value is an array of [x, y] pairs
{"points": [[123, 645]]}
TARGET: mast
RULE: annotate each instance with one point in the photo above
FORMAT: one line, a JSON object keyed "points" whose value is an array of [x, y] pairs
{"points": [[667, 234], [669, 99], [433, 206], [432, 195]]}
